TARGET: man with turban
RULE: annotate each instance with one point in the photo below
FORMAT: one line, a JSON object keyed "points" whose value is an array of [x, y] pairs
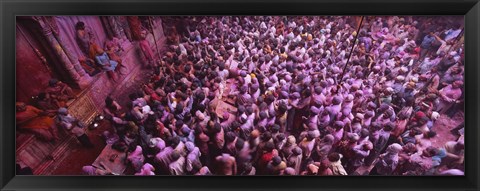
{"points": [[388, 161]]}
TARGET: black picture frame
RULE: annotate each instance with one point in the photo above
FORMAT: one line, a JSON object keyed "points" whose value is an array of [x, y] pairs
{"points": [[11, 8]]}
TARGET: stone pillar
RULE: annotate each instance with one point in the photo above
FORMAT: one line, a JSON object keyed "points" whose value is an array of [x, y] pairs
{"points": [[124, 27], [50, 21], [108, 27], [114, 28], [70, 63], [135, 27]]}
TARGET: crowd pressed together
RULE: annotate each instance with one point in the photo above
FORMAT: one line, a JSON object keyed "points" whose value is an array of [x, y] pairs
{"points": [[272, 95], [296, 108]]}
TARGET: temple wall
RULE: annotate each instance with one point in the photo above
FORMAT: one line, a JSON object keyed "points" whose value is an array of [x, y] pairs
{"points": [[29, 61]]}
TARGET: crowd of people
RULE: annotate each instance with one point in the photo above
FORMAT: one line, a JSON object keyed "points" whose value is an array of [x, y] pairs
{"points": [[297, 95]]}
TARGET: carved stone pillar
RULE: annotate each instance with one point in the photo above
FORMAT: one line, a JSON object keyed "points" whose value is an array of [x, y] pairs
{"points": [[50, 21], [109, 28], [115, 27], [48, 33], [69, 61], [135, 27], [124, 27]]}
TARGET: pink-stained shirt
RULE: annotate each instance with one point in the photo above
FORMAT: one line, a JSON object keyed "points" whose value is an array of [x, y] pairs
{"points": [[451, 93]]}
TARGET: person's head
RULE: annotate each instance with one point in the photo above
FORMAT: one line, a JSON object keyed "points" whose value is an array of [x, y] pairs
{"points": [[132, 96], [98, 50], [339, 124], [249, 110], [187, 117], [460, 145], [42, 96], [179, 109], [175, 155], [457, 84], [62, 111], [217, 128], [291, 140], [296, 151], [196, 165], [20, 106], [230, 137], [414, 132], [241, 109], [247, 167], [108, 101], [457, 70], [336, 100], [87, 170], [334, 157], [263, 115], [174, 141], [368, 114], [376, 126], [318, 90], [387, 114], [239, 144], [108, 117], [269, 146], [266, 136], [200, 116], [198, 130], [189, 146], [424, 120], [430, 151], [312, 169], [389, 126], [187, 68], [367, 146], [80, 26], [394, 148], [178, 124], [371, 105], [353, 137], [289, 171], [307, 93], [282, 108], [409, 148], [310, 135], [280, 137], [429, 134], [52, 82], [254, 134], [364, 133], [201, 96], [276, 160], [324, 164]]}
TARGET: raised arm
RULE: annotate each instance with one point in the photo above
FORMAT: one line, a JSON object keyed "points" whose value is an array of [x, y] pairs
{"points": [[169, 103], [189, 107]]}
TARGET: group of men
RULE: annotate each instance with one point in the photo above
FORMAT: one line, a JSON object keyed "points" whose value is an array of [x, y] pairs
{"points": [[298, 95]]}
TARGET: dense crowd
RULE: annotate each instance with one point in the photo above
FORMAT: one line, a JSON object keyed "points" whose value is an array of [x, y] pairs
{"points": [[263, 95]]}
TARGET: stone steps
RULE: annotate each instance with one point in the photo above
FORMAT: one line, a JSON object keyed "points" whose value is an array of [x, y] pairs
{"points": [[60, 152]]}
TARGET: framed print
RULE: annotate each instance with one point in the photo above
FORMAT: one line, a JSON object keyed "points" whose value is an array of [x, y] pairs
{"points": [[239, 95]]}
